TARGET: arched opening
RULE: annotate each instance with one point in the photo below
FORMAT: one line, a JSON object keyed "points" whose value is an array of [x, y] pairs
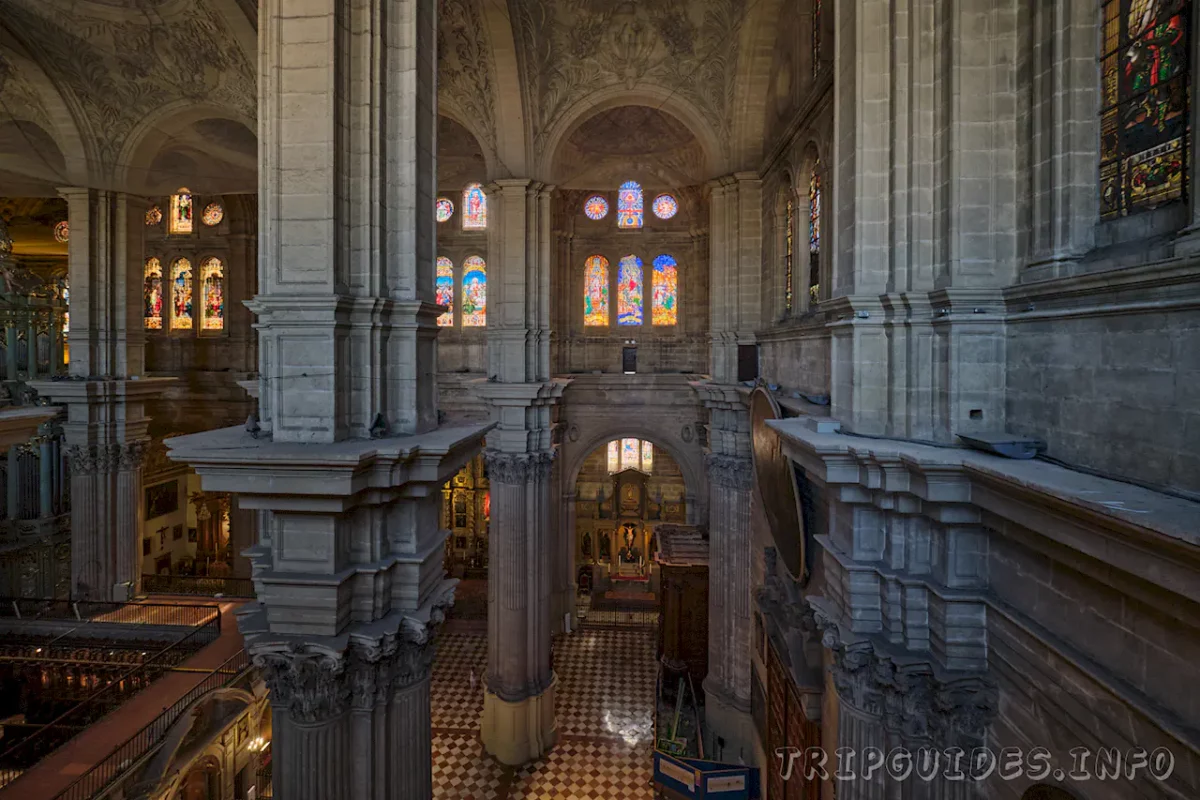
{"points": [[202, 781]]}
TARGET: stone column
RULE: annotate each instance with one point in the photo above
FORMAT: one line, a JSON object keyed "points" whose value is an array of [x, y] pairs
{"points": [[518, 713], [727, 687], [45, 476], [569, 545], [735, 270], [345, 460]]}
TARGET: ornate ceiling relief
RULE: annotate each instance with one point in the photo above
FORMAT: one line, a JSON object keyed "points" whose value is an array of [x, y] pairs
{"points": [[466, 76], [569, 50], [18, 97], [121, 70]]}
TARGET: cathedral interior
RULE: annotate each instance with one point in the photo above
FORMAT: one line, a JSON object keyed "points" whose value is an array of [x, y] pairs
{"points": [[488, 399]]}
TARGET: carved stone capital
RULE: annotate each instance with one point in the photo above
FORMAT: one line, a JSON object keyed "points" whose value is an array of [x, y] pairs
{"points": [[518, 468], [308, 683], [732, 472], [132, 455], [82, 458], [911, 697]]}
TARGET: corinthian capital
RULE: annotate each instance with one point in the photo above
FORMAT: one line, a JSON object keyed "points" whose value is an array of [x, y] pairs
{"points": [[732, 472], [518, 468], [309, 684]]}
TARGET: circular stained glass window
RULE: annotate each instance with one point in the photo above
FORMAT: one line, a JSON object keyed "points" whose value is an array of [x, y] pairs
{"points": [[445, 209], [665, 206], [154, 216], [62, 231], [596, 207], [213, 214]]}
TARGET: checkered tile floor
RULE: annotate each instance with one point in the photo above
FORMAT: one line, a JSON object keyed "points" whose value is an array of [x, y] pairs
{"points": [[604, 702]]}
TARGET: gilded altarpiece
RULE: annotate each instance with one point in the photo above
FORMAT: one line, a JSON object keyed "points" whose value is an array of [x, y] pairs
{"points": [[466, 514]]}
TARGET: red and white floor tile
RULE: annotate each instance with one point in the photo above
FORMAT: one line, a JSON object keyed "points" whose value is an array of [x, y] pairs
{"points": [[605, 702]]}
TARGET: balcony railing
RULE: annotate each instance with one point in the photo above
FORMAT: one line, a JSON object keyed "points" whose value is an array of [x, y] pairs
{"points": [[150, 614], [197, 586], [100, 777]]}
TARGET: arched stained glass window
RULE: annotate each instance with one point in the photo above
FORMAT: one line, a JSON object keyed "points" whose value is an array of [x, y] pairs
{"points": [[814, 232], [1144, 104], [631, 453], [152, 295], [445, 291], [212, 300], [664, 292], [614, 456], [474, 208], [181, 212], [474, 293], [629, 205], [629, 291], [181, 295], [595, 291], [789, 221]]}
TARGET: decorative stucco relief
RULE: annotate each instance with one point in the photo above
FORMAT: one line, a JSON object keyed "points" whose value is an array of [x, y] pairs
{"points": [[466, 76]]}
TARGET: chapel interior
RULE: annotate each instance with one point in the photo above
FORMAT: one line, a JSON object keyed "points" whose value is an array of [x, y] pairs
{"points": [[489, 399]]}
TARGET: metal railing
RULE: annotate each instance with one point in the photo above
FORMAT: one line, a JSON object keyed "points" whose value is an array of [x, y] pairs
{"points": [[150, 614], [60, 730], [197, 585], [129, 752]]}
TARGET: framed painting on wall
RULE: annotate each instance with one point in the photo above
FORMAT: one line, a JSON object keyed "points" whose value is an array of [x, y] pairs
{"points": [[177, 533], [192, 535], [162, 499]]}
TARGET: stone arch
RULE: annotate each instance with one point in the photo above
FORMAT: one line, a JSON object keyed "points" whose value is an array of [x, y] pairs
{"points": [[186, 123], [658, 98], [693, 479], [752, 82], [452, 113]]}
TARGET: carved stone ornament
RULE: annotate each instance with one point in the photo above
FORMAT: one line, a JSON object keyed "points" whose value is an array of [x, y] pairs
{"points": [[82, 458], [731, 472], [518, 469], [132, 455], [912, 698], [307, 682]]}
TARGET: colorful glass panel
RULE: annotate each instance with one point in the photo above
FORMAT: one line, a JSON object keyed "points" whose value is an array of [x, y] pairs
{"points": [[595, 291], [814, 232], [62, 232], [154, 215], [152, 295], [66, 298], [665, 206], [474, 293], [664, 305], [474, 208], [212, 300], [629, 291], [445, 290], [614, 456], [213, 214], [181, 212], [789, 221], [629, 205], [631, 453], [595, 207], [1144, 91], [444, 209], [647, 457], [181, 295]]}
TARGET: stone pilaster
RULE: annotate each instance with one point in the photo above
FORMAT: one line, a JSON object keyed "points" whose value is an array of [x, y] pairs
{"points": [[518, 715], [565, 571], [735, 270]]}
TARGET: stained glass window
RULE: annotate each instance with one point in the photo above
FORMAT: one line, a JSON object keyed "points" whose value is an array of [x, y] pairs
{"points": [[152, 295], [212, 301], [444, 209], [814, 232], [181, 295], [665, 206], [474, 208], [595, 291], [816, 37], [474, 293], [595, 207], [629, 291], [789, 222], [181, 212], [631, 453], [154, 215], [629, 205], [614, 456], [66, 298], [445, 290], [664, 306], [1144, 104], [213, 214], [62, 232]]}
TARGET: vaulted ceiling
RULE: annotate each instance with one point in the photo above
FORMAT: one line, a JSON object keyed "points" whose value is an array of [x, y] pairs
{"points": [[143, 95]]}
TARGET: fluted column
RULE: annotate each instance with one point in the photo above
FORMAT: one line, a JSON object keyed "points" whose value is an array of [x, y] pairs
{"points": [[568, 546], [45, 476], [518, 716], [729, 624]]}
